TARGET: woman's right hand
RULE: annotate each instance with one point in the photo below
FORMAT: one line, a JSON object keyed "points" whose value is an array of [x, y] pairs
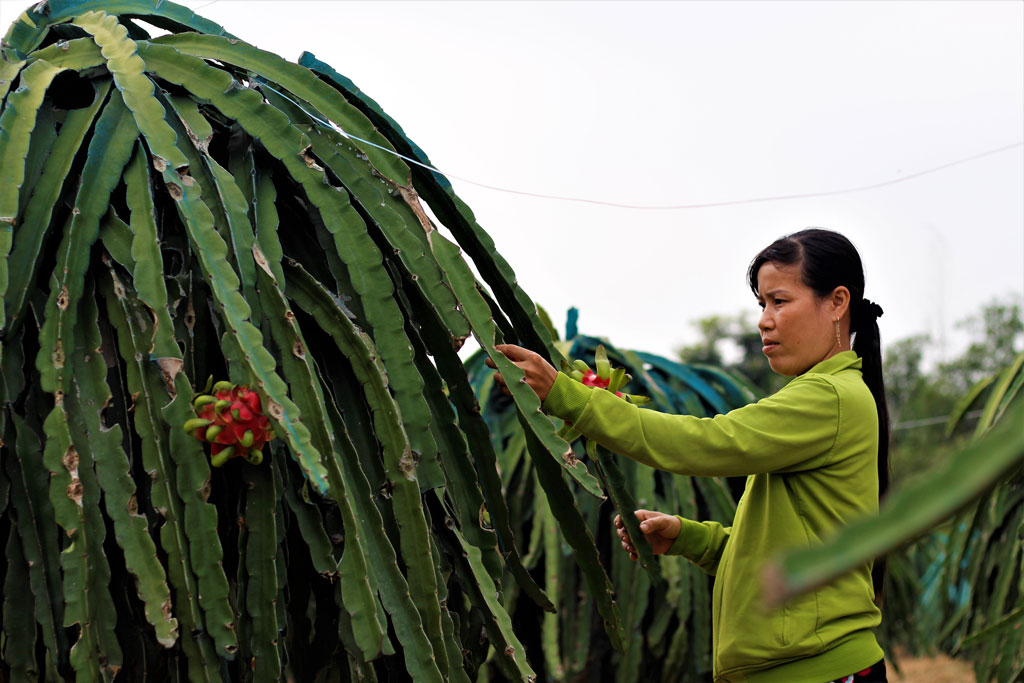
{"points": [[660, 530]]}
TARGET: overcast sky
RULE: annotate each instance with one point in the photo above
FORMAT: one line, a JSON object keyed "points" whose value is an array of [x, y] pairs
{"points": [[668, 103]]}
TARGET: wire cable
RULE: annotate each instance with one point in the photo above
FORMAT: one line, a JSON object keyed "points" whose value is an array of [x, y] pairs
{"points": [[212, 2], [647, 207], [928, 421]]}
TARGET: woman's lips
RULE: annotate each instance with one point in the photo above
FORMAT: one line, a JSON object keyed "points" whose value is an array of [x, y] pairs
{"points": [[768, 347]]}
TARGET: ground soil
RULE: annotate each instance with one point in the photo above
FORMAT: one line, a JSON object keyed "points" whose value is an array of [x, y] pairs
{"points": [[936, 669]]}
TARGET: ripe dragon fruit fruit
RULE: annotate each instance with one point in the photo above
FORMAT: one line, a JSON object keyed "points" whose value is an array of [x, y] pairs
{"points": [[232, 420]]}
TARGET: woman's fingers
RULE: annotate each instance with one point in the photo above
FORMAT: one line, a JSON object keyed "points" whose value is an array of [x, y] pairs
{"points": [[652, 522], [497, 376], [627, 542], [652, 526], [515, 353], [620, 529], [538, 373], [504, 349], [641, 515]]}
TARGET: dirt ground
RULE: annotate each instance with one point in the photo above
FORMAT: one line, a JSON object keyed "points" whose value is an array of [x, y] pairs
{"points": [[937, 669]]}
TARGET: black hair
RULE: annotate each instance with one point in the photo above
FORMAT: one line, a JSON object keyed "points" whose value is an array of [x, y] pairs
{"points": [[828, 260]]}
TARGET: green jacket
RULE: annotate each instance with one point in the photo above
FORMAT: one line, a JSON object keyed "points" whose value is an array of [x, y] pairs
{"points": [[811, 452]]}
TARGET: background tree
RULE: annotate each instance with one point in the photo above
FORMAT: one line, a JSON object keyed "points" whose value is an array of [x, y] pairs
{"points": [[921, 398], [997, 335]]}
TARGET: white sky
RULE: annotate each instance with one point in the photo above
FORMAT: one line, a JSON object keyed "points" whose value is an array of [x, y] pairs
{"points": [[691, 102]]}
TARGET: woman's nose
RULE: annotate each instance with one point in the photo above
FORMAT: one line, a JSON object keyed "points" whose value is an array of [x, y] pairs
{"points": [[765, 322]]}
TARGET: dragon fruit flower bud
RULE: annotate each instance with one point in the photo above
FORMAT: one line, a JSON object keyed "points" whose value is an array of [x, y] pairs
{"points": [[590, 379]]}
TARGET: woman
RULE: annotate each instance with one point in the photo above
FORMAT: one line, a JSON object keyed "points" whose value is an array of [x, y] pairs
{"points": [[812, 452]]}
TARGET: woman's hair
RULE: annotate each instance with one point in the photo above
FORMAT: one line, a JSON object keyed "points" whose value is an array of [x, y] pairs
{"points": [[828, 260]]}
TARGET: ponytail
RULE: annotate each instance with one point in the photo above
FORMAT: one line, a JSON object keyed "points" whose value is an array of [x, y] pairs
{"points": [[867, 344]]}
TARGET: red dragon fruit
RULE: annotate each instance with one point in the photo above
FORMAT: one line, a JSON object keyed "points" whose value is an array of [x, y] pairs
{"points": [[232, 420], [605, 378]]}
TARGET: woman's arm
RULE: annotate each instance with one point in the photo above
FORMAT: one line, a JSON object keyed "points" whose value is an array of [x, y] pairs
{"points": [[792, 430], [700, 542]]}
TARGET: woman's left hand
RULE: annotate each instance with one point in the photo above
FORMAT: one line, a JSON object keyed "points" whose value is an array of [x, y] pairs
{"points": [[540, 374], [660, 530]]}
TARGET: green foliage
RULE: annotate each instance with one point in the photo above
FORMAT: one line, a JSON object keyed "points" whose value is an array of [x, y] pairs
{"points": [[998, 335], [918, 403], [921, 397], [180, 207], [904, 377], [665, 602], [980, 583]]}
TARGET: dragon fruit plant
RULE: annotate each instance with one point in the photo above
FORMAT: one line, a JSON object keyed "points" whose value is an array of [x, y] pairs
{"points": [[185, 205]]}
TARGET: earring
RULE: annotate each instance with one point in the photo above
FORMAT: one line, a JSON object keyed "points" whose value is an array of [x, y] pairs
{"points": [[839, 339]]}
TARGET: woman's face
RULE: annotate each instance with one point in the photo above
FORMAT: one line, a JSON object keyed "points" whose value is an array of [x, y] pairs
{"points": [[797, 327]]}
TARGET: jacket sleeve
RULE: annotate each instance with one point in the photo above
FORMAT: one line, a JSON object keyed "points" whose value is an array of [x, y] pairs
{"points": [[794, 429], [701, 543]]}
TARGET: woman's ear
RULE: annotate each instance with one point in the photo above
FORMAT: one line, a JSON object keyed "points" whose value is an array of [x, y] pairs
{"points": [[840, 301]]}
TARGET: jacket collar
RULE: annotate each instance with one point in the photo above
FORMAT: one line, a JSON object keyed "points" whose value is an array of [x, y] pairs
{"points": [[844, 360]]}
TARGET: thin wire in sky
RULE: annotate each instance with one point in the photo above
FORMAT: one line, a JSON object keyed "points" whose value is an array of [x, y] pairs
{"points": [[736, 202], [668, 207]]}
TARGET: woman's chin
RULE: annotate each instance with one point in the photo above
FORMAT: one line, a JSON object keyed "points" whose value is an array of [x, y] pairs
{"points": [[780, 366]]}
